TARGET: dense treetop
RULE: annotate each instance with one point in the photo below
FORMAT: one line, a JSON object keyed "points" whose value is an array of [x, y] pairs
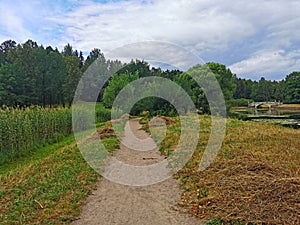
{"points": [[31, 74]]}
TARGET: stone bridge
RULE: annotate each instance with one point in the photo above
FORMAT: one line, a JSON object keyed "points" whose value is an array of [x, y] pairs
{"points": [[269, 104]]}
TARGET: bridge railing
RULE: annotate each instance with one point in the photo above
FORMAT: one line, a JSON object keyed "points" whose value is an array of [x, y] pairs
{"points": [[269, 104]]}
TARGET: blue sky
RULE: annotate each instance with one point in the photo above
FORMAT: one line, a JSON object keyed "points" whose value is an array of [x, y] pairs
{"points": [[253, 38]]}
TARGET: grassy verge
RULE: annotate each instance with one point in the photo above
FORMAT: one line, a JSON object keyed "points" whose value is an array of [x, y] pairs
{"points": [[38, 154], [254, 179], [49, 187]]}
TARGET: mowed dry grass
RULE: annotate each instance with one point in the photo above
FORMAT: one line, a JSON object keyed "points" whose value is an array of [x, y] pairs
{"points": [[254, 179]]}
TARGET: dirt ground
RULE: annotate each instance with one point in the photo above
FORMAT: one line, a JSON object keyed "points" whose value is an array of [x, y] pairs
{"points": [[113, 203]]}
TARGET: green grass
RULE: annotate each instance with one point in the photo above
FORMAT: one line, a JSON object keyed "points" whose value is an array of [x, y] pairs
{"points": [[39, 154], [48, 187]]}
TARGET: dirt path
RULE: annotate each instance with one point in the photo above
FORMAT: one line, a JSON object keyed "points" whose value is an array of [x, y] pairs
{"points": [[155, 204]]}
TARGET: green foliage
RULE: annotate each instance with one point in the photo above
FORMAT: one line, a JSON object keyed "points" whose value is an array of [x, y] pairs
{"points": [[186, 80], [93, 56], [137, 66], [191, 87], [73, 75], [240, 102], [38, 75], [102, 114], [292, 88], [116, 84], [262, 90], [33, 75], [243, 88], [153, 106], [209, 88], [55, 79], [23, 129], [8, 75], [225, 79]]}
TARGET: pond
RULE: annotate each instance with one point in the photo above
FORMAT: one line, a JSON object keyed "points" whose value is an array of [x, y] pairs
{"points": [[285, 114]]}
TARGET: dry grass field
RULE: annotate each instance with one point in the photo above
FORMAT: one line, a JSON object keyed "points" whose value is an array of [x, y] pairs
{"points": [[254, 179]]}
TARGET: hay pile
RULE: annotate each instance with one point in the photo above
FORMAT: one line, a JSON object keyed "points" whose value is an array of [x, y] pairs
{"points": [[103, 132], [168, 120], [106, 132]]}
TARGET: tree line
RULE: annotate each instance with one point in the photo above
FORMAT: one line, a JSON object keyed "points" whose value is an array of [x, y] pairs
{"points": [[286, 90], [31, 74]]}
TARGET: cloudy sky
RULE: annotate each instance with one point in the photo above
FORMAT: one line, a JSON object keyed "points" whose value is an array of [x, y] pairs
{"points": [[253, 38]]}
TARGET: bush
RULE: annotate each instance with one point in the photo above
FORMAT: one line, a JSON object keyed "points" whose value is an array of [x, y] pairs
{"points": [[102, 113], [240, 102]]}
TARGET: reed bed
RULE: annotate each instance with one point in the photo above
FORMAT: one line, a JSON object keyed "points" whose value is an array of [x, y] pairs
{"points": [[23, 129]]}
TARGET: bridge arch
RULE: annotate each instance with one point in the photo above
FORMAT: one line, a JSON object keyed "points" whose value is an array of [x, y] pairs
{"points": [[269, 104]]}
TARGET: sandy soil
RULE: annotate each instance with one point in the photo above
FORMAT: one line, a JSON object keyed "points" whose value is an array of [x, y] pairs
{"points": [[114, 203]]}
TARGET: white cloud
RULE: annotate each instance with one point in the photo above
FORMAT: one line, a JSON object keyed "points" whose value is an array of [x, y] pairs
{"points": [[211, 28], [156, 53], [267, 63], [204, 26], [22, 20], [12, 23], [189, 23]]}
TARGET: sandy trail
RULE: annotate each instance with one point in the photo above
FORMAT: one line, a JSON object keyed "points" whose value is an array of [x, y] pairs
{"points": [[113, 203]]}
